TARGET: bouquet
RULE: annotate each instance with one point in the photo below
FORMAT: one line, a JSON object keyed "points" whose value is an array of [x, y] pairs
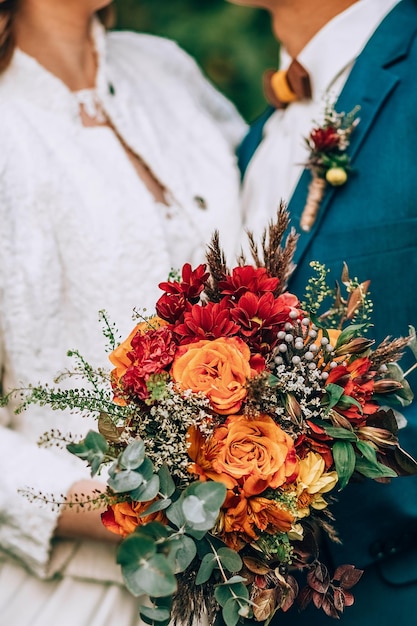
{"points": [[228, 423]]}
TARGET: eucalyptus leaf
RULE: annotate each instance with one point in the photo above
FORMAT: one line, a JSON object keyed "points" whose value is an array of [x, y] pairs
{"points": [[193, 509], [208, 565], [230, 559], [124, 480], [153, 576], [344, 459], [151, 614], [92, 449], [227, 590], [176, 515], [158, 505], [182, 552], [167, 485], [230, 612], [135, 548], [147, 490], [212, 494], [158, 578], [133, 456]]}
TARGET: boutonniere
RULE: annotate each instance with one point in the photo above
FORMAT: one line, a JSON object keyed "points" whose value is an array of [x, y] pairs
{"points": [[328, 160]]}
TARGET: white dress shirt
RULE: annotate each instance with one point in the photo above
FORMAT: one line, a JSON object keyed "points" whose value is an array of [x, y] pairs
{"points": [[276, 166]]}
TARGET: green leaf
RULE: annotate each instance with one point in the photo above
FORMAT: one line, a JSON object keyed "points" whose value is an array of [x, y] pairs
{"points": [[230, 559], [230, 612], [208, 565], [340, 433], [344, 459], [158, 505], [133, 456], [147, 491], [153, 530], [367, 450], [167, 485], [371, 470], [334, 393], [194, 511], [223, 592], [135, 548], [124, 480], [402, 397], [347, 401], [151, 614], [182, 550], [212, 494], [92, 449], [176, 515], [153, 576], [349, 333]]}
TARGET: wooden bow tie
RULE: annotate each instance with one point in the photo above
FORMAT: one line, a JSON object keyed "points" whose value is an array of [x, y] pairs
{"points": [[284, 86]]}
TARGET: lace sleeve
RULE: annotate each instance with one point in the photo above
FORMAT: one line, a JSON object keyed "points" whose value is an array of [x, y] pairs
{"points": [[166, 57]]}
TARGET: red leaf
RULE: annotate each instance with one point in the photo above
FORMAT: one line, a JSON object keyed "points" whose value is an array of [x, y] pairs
{"points": [[292, 593], [318, 599], [349, 598], [304, 597], [329, 608], [319, 578], [350, 578], [339, 599]]}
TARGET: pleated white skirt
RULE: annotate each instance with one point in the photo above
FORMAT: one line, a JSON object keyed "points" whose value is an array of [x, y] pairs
{"points": [[28, 601]]}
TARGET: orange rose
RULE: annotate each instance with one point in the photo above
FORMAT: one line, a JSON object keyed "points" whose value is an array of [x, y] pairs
{"points": [[218, 368], [242, 521], [252, 454], [123, 518]]}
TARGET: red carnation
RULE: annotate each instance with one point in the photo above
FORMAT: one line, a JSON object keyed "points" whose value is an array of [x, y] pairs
{"points": [[152, 353]]}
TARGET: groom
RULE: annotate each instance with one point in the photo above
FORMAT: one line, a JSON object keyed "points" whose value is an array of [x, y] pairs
{"points": [[357, 53]]}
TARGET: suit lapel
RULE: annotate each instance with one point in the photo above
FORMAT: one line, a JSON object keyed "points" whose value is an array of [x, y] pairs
{"points": [[369, 85]]}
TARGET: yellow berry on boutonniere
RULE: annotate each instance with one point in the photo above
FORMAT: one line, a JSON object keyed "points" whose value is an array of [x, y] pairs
{"points": [[336, 176]]}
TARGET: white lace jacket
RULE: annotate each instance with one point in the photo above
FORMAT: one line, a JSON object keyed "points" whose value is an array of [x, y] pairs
{"points": [[79, 232]]}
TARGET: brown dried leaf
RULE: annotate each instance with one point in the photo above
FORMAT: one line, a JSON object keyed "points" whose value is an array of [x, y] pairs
{"points": [[350, 577], [290, 595], [329, 608], [339, 599], [304, 597], [264, 605], [107, 428], [318, 578], [256, 565]]}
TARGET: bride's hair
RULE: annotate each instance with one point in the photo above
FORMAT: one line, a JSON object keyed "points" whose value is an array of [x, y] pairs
{"points": [[7, 42]]}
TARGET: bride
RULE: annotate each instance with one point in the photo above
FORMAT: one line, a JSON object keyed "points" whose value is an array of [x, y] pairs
{"points": [[116, 164]]}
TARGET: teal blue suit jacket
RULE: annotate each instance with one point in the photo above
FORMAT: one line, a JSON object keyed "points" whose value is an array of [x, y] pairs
{"points": [[371, 223]]}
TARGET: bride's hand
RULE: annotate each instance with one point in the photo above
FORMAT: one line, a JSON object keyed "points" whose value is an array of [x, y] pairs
{"points": [[84, 523]]}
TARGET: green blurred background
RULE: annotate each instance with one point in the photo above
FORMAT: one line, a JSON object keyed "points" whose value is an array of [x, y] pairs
{"points": [[232, 44]]}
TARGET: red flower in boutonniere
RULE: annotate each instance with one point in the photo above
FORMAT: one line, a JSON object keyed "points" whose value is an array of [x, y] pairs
{"points": [[328, 160]]}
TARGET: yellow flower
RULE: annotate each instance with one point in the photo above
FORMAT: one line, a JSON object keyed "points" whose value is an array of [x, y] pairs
{"points": [[312, 482]]}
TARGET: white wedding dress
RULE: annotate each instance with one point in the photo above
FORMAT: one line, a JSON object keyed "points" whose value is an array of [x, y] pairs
{"points": [[80, 232]]}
